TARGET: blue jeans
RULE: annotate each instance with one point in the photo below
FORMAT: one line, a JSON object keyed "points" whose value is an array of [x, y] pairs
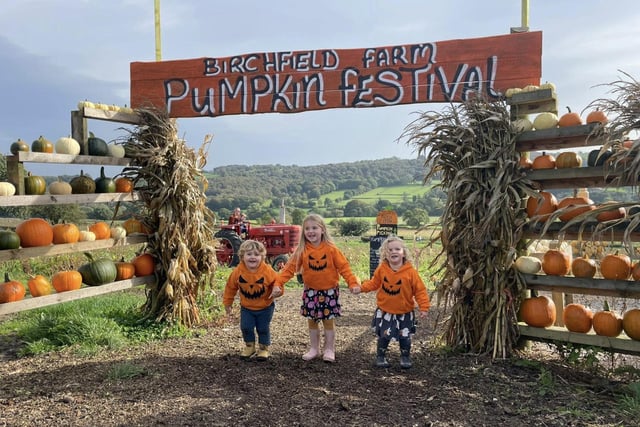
{"points": [[252, 321]]}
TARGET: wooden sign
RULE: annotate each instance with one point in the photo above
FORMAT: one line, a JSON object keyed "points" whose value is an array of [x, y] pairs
{"points": [[292, 82]]}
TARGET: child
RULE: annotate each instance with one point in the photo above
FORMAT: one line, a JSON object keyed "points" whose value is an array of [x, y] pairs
{"points": [[397, 284], [321, 264], [254, 279]]}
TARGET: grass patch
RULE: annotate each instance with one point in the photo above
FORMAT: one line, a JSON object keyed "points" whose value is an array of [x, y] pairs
{"points": [[126, 370]]}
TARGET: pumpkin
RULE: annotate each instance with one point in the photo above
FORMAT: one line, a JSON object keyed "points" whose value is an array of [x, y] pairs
{"points": [[97, 271], [133, 225], [18, 146], [97, 146], [522, 125], [542, 207], [539, 312], [35, 232], [544, 161], [574, 206], [584, 267], [556, 262], [124, 185], [577, 318], [42, 145], [569, 118], [9, 240], [144, 265], [631, 323], [39, 286], [606, 322], [597, 116], [598, 157], [635, 271], [528, 264], [101, 230], [34, 185], [512, 91], [118, 232], [116, 150], [7, 189], [82, 184], [616, 212], [548, 85], [124, 270], [87, 236], [65, 233], [66, 280], [67, 145], [104, 184], [11, 290], [545, 120], [568, 159], [615, 266], [60, 187]]}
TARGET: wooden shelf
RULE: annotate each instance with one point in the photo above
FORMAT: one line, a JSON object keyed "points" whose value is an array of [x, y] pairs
{"points": [[84, 292], [51, 250], [613, 233], [111, 116], [31, 157], [67, 199], [559, 138], [592, 176], [538, 101], [578, 285], [620, 344]]}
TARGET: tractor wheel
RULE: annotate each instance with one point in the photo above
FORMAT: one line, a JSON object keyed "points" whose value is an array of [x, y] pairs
{"points": [[279, 262], [227, 251]]}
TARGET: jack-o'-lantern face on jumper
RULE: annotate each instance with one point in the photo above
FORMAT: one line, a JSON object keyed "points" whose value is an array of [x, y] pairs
{"points": [[391, 288], [252, 290], [318, 264]]}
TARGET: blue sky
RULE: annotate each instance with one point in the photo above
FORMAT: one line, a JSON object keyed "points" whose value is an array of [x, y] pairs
{"points": [[55, 53]]}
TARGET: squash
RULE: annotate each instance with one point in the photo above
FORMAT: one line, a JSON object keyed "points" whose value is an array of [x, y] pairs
{"points": [[7, 189], [124, 270], [598, 157], [522, 124], [18, 146], [569, 119], [544, 161], [539, 312], [11, 290], [607, 323], [42, 145], [101, 230], [104, 184], [568, 159], [548, 85], [512, 91], [97, 146], [525, 161], [577, 318], [97, 271], [39, 286], [631, 323], [87, 236], [67, 145], [635, 271], [545, 120], [556, 262], [528, 264], [118, 232], [82, 184], [133, 225], [116, 150], [34, 185], [574, 206], [124, 185], [67, 280], [584, 267], [144, 264], [616, 212], [542, 207], [597, 116], [35, 232], [65, 233], [9, 240], [615, 266], [60, 187]]}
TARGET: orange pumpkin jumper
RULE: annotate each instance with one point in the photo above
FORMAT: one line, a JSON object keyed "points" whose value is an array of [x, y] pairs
{"points": [[254, 288]]}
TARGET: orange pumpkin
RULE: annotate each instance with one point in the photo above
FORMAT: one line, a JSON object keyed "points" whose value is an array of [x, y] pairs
{"points": [[11, 290], [124, 185], [39, 286], [67, 280], [631, 323], [574, 206], [615, 266], [35, 232], [144, 265], [616, 212], [525, 161], [101, 229], [577, 318], [124, 270], [607, 323], [597, 116], [539, 312], [65, 233], [635, 271], [541, 208], [569, 119], [544, 161], [584, 267], [556, 262], [133, 225]]}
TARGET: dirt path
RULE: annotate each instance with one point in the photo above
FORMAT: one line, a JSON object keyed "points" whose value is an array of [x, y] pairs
{"points": [[202, 382]]}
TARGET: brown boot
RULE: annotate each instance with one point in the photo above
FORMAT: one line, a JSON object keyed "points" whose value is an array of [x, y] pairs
{"points": [[249, 349], [263, 352]]}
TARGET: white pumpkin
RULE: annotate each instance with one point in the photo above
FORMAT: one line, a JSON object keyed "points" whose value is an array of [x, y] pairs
{"points": [[116, 150], [522, 125], [548, 85], [87, 236], [67, 145], [7, 189], [530, 88], [528, 264], [118, 232], [512, 91], [60, 187], [545, 120]]}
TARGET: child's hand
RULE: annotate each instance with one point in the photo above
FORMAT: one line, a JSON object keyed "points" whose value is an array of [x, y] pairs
{"points": [[423, 314], [356, 290], [228, 313], [276, 292]]}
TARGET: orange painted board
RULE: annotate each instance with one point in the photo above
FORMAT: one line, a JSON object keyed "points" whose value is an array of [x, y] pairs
{"points": [[297, 81]]}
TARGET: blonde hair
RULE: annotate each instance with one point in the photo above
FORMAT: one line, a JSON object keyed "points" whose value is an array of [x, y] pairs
{"points": [[252, 245], [326, 236], [384, 248]]}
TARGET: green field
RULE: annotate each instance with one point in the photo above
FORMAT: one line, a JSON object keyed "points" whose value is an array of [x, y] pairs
{"points": [[395, 194]]}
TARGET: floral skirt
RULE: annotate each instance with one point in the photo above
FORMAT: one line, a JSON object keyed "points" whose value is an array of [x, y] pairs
{"points": [[393, 326], [320, 305]]}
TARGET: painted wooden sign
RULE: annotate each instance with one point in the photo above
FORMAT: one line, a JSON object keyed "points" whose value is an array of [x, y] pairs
{"points": [[292, 82]]}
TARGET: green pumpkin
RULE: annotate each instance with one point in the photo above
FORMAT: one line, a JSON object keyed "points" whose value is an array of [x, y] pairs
{"points": [[596, 159], [97, 146], [42, 145], [105, 184], [17, 146], [9, 240], [34, 185], [82, 184], [98, 271]]}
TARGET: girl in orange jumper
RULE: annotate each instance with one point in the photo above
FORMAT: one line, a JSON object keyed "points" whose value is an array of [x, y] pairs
{"points": [[321, 264], [399, 287]]}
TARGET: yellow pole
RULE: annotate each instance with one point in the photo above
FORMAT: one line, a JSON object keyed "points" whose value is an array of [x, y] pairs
{"points": [[157, 26], [525, 13]]}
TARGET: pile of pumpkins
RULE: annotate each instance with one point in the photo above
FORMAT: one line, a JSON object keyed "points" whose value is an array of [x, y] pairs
{"points": [[106, 107], [544, 204], [550, 120], [68, 145], [81, 184], [95, 272]]}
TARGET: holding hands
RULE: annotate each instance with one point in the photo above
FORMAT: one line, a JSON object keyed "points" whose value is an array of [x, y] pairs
{"points": [[276, 292], [355, 290]]}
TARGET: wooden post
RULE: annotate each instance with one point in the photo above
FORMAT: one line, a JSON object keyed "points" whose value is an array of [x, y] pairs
{"points": [[15, 174], [79, 131]]}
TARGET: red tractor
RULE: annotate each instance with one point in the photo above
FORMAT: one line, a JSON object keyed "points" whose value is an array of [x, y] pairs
{"points": [[279, 239]]}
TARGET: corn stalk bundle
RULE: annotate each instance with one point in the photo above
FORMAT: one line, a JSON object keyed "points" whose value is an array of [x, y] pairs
{"points": [[470, 147], [168, 177]]}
